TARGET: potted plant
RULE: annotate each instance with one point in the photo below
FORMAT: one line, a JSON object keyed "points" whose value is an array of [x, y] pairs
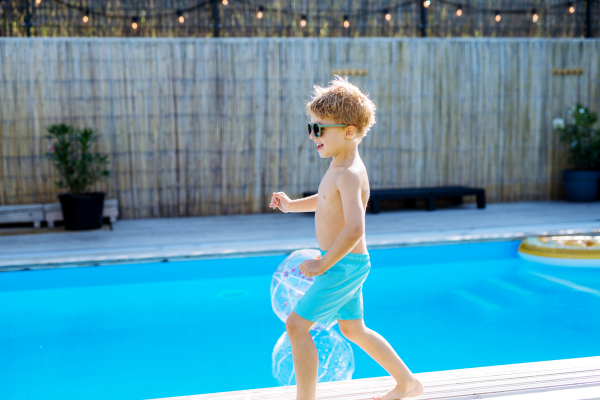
{"points": [[583, 138], [80, 168]]}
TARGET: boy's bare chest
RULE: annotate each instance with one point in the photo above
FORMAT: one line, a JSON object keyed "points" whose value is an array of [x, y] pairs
{"points": [[329, 195], [328, 192]]}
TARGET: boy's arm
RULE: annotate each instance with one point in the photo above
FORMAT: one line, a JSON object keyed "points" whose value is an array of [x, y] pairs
{"points": [[354, 217], [285, 204]]}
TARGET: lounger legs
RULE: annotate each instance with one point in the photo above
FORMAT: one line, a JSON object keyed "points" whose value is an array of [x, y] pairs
{"points": [[374, 206], [481, 200], [430, 203]]}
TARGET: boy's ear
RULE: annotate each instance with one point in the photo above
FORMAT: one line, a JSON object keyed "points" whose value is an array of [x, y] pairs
{"points": [[351, 132]]}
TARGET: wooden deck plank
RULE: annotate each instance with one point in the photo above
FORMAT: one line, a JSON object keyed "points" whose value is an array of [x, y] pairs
{"points": [[470, 383], [588, 393]]}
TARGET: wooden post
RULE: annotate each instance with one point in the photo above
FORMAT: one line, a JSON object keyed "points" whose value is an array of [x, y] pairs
{"points": [[423, 19], [27, 18], [216, 18], [588, 19]]}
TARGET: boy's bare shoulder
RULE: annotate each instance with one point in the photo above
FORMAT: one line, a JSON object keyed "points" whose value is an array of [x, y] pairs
{"points": [[353, 176]]}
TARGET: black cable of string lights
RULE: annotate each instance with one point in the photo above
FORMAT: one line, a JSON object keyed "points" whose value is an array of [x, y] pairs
{"points": [[385, 10], [263, 8], [89, 11], [464, 6]]}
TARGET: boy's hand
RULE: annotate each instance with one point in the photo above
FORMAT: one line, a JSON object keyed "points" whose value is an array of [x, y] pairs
{"points": [[312, 268], [281, 201]]}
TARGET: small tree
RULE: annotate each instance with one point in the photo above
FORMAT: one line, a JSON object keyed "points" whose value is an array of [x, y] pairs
{"points": [[71, 151], [582, 136]]}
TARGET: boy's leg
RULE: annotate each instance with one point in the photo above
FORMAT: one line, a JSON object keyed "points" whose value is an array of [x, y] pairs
{"points": [[304, 353], [382, 352]]}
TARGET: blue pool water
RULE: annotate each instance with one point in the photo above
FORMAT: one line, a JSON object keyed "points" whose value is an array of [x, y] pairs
{"points": [[156, 330]]}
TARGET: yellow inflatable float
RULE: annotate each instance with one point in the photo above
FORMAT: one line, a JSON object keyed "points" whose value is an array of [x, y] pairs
{"points": [[564, 251]]}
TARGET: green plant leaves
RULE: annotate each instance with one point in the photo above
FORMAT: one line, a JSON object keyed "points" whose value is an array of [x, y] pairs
{"points": [[583, 138], [73, 156]]}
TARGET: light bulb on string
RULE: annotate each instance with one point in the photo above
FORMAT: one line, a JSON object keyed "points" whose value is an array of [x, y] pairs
{"points": [[387, 14], [303, 20], [85, 16], [37, 2], [459, 11], [346, 22], [180, 17], [571, 8], [534, 17], [426, 3], [259, 15], [134, 22], [225, 2], [498, 17]]}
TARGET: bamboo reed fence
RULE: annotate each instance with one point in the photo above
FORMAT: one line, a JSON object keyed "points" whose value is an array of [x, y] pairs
{"points": [[207, 127]]}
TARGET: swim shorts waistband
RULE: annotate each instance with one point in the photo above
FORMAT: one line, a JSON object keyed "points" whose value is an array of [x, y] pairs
{"points": [[352, 258]]}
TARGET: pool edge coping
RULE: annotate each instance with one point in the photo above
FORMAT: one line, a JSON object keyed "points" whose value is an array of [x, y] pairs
{"points": [[494, 381]]}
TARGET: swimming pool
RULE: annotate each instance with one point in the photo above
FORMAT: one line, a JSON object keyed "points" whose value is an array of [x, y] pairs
{"points": [[179, 328]]}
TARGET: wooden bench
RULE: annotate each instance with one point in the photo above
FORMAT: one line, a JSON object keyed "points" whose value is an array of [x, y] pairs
{"points": [[429, 194], [53, 212], [49, 212], [22, 213]]}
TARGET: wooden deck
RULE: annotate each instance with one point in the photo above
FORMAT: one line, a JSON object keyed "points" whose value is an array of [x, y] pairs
{"points": [[170, 239], [571, 379]]}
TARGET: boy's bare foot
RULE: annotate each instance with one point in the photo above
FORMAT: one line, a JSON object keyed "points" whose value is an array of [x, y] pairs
{"points": [[410, 389]]}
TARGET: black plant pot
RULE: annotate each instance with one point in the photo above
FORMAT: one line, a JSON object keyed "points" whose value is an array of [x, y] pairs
{"points": [[82, 211], [581, 185]]}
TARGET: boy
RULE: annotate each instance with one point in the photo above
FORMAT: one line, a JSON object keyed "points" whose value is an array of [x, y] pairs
{"points": [[341, 115]]}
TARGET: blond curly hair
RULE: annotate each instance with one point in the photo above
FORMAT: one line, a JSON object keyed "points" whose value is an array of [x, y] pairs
{"points": [[343, 102]]}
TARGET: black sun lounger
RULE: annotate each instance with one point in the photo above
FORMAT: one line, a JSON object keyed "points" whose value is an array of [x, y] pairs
{"points": [[455, 192]]}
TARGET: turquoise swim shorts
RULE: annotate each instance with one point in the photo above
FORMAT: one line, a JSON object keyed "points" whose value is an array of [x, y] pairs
{"points": [[337, 294]]}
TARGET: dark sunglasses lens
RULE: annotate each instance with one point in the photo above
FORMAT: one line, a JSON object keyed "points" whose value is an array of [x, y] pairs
{"points": [[309, 129], [317, 130]]}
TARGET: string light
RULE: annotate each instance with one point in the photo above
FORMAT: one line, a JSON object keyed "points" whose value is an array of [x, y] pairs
{"points": [[135, 20]]}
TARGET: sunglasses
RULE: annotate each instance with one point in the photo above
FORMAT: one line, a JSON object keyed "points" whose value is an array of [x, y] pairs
{"points": [[318, 128]]}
